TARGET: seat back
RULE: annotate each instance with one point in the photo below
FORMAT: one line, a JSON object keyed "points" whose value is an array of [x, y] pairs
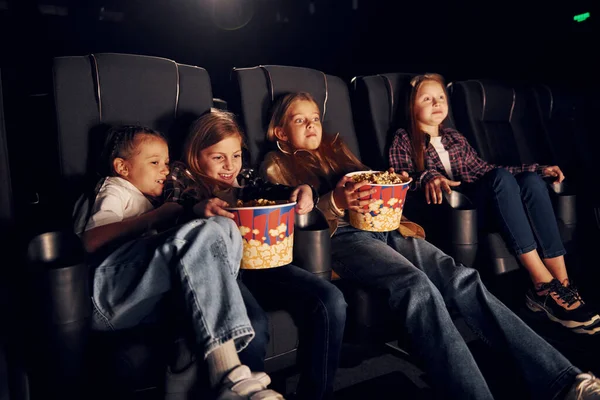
{"points": [[257, 87], [380, 105], [561, 113], [483, 111], [97, 91]]}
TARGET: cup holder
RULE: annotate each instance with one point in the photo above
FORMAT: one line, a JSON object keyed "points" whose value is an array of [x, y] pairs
{"points": [[458, 201], [312, 243], [55, 250]]}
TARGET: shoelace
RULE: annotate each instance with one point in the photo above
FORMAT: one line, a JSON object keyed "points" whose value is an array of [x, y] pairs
{"points": [[590, 385], [565, 294]]}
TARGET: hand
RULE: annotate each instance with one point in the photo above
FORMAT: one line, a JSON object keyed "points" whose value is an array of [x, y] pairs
{"points": [[212, 208], [433, 189], [347, 196], [554, 172], [303, 196]]}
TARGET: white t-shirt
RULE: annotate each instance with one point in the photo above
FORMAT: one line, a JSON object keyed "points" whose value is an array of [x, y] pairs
{"points": [[436, 142], [117, 200]]}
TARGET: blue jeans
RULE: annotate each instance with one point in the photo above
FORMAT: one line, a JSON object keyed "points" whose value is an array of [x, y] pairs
{"points": [[203, 256], [425, 287], [318, 309], [520, 208]]}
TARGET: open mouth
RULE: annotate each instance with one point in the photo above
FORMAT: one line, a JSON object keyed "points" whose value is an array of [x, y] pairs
{"points": [[226, 177], [160, 181]]}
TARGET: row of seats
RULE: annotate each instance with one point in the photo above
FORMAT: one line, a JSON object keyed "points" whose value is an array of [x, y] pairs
{"points": [[97, 91]]}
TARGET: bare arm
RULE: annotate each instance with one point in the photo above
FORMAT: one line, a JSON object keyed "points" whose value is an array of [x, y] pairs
{"points": [[122, 231]]}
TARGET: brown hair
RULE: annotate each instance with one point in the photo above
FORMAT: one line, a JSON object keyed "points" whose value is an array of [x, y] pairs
{"points": [[122, 142], [207, 131], [417, 138], [328, 162]]}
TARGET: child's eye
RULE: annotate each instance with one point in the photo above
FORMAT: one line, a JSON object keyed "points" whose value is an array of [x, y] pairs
{"points": [[218, 158], [299, 120], [237, 156], [316, 119], [154, 162], [426, 98]]}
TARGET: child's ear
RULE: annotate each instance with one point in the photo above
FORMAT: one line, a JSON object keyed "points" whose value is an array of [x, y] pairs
{"points": [[120, 166], [280, 134]]}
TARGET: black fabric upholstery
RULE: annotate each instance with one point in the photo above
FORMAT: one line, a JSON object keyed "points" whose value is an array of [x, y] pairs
{"points": [[91, 94], [380, 107], [95, 92], [259, 86]]}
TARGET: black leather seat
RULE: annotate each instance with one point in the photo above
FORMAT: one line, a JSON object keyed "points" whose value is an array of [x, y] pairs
{"points": [[368, 319], [92, 93], [380, 105]]}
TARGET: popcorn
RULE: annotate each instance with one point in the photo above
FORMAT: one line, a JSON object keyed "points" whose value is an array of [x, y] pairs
{"points": [[385, 211], [380, 178], [257, 254], [255, 203]]}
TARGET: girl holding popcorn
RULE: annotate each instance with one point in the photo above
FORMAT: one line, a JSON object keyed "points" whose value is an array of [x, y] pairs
{"points": [[209, 183], [424, 285]]}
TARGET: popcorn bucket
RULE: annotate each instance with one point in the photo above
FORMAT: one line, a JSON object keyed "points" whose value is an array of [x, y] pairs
{"points": [[267, 233], [385, 213]]}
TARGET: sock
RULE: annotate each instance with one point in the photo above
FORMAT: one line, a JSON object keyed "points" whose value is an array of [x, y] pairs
{"points": [[220, 361]]}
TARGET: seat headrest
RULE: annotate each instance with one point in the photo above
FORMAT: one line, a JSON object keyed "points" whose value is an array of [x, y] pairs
{"points": [[498, 101], [100, 90], [260, 86]]}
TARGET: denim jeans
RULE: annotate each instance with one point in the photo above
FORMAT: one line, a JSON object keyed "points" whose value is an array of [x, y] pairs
{"points": [[425, 287], [318, 309], [203, 256], [520, 207]]}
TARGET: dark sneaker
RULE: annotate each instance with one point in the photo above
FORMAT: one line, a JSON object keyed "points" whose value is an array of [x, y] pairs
{"points": [[586, 387], [560, 305]]}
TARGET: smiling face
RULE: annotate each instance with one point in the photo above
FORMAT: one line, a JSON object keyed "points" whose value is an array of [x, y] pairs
{"points": [[223, 160], [301, 126], [148, 166], [431, 107]]}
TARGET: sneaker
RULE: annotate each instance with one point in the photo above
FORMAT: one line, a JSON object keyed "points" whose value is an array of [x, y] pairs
{"points": [[558, 304], [242, 384], [586, 386]]}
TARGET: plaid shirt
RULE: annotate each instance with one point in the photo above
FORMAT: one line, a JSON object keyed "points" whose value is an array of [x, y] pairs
{"points": [[465, 163]]}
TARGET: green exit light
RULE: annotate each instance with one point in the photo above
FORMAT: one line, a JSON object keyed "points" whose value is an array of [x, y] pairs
{"points": [[581, 17]]}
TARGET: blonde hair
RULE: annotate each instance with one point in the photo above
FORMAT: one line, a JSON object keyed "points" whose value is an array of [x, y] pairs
{"points": [[207, 131], [416, 137], [330, 159]]}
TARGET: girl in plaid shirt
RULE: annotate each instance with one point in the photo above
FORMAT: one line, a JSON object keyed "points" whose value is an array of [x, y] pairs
{"points": [[515, 197], [423, 285]]}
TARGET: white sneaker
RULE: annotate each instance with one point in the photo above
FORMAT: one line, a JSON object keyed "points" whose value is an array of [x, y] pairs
{"points": [[242, 384], [585, 387]]}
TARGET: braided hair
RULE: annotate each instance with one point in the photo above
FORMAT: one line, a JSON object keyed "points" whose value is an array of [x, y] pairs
{"points": [[121, 143]]}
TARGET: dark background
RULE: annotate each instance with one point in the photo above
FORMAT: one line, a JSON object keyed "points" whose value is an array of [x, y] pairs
{"points": [[522, 40]]}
